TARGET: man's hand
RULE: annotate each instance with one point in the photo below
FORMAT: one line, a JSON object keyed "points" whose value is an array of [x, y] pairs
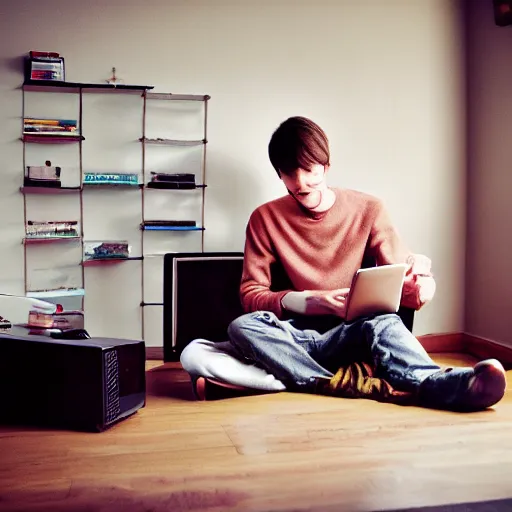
{"points": [[419, 285], [327, 302], [419, 265]]}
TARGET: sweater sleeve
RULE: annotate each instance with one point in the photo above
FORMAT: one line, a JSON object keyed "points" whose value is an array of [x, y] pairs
{"points": [[388, 248], [259, 254]]}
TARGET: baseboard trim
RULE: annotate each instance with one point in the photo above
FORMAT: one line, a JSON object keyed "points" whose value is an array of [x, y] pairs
{"points": [[483, 348], [454, 342], [480, 348], [444, 342], [155, 353]]}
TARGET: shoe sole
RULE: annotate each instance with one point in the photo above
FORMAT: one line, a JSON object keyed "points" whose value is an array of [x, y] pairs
{"points": [[201, 383], [492, 377], [200, 388]]}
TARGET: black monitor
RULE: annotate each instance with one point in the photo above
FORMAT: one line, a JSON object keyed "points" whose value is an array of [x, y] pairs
{"points": [[201, 298]]}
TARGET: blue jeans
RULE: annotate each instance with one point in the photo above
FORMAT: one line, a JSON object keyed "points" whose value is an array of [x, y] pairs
{"points": [[298, 352]]}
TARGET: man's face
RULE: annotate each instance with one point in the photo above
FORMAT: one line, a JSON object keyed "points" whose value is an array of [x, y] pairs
{"points": [[306, 185]]}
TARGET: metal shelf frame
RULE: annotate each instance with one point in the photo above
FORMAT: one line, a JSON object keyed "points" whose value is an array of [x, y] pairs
{"points": [[145, 141], [80, 89]]}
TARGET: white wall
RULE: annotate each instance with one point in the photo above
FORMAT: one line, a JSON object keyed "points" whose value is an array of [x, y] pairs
{"points": [[383, 78], [489, 281]]}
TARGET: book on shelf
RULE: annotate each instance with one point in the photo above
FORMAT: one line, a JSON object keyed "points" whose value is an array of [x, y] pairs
{"points": [[51, 229], [63, 127], [176, 181], [98, 178], [173, 177], [182, 223], [101, 250]]}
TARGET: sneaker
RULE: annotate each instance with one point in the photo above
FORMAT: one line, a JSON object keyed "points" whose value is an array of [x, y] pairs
{"points": [[209, 389], [465, 389]]}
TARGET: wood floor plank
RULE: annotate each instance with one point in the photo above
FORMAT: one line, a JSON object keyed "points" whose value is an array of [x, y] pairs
{"points": [[281, 452]]}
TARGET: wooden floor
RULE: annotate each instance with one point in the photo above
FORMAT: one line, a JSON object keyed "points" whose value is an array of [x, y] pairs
{"points": [[279, 452]]}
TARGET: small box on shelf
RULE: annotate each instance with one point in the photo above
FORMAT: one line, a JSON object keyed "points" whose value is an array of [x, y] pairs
{"points": [[46, 175], [44, 66], [43, 176], [106, 250]]}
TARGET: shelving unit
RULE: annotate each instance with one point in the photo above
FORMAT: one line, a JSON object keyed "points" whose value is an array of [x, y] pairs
{"points": [[80, 89], [201, 186]]}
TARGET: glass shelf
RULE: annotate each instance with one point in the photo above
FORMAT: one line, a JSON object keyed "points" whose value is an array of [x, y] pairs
{"points": [[62, 292], [51, 139], [173, 142], [177, 97], [102, 261], [50, 239], [75, 87], [171, 228], [48, 190]]}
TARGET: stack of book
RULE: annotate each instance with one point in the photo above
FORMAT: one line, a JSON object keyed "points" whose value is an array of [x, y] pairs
{"points": [[52, 229], [61, 320], [95, 178], [172, 181], [46, 66], [51, 127], [170, 223]]}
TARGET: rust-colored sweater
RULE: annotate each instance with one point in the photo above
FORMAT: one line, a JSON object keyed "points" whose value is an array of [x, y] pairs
{"points": [[318, 251]]}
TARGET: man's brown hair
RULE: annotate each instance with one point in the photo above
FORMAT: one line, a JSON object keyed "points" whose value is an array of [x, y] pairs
{"points": [[297, 143]]}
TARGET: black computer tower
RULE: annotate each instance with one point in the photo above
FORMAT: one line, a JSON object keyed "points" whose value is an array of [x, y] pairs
{"points": [[86, 384]]}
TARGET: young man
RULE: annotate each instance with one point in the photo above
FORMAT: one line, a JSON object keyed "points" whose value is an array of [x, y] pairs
{"points": [[296, 338]]}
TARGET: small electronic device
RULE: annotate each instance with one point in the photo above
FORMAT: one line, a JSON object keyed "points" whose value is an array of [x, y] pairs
{"points": [[376, 290], [70, 380]]}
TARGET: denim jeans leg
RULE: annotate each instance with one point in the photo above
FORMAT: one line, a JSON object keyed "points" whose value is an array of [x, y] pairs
{"points": [[279, 348], [398, 356]]}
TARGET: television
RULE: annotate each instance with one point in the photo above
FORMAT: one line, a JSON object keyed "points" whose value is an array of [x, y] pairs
{"points": [[201, 298]]}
